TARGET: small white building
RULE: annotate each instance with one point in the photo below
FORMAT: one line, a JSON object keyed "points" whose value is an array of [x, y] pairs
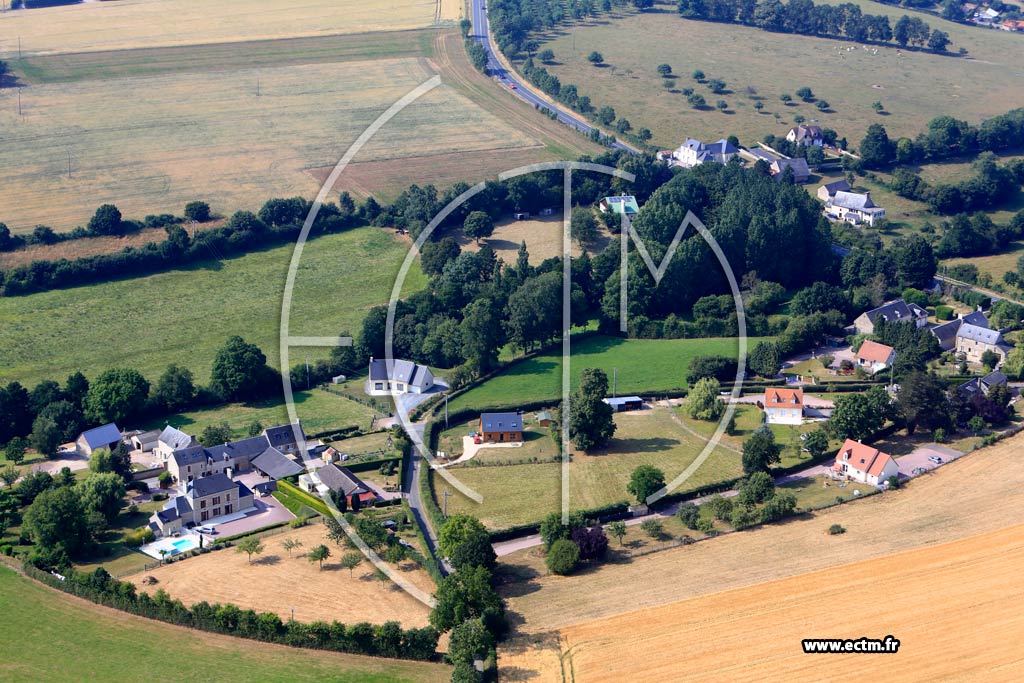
{"points": [[784, 406], [694, 153], [806, 135], [863, 463]]}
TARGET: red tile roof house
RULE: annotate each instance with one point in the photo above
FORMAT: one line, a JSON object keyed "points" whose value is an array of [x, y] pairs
{"points": [[875, 357], [784, 406], [864, 463]]}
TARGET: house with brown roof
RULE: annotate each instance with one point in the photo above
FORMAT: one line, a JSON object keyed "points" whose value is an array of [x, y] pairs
{"points": [[863, 463], [806, 135], [784, 406], [875, 357]]}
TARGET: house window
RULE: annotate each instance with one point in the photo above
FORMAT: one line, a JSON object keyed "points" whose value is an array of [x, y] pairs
{"points": [[227, 509], [216, 500], [228, 498], [379, 386], [202, 504], [205, 516], [216, 512]]}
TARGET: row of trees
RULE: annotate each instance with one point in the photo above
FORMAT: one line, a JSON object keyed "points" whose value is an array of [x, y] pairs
{"points": [[51, 414], [804, 17], [278, 221], [944, 138], [990, 186]]}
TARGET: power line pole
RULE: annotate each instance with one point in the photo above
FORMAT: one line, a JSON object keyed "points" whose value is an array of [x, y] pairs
{"points": [[19, 101], [444, 495], [307, 371], [615, 378], [446, 411]]}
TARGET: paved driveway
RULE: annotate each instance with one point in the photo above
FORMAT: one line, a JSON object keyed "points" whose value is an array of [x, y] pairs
{"points": [[918, 459], [268, 511]]}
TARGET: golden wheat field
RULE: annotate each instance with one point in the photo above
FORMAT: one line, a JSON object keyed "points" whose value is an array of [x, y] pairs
{"points": [[978, 494], [149, 145], [128, 24], [955, 608]]}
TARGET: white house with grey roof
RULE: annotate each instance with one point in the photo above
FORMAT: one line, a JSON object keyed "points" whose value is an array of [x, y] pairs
{"points": [[406, 377], [170, 440], [853, 207], [106, 436], [806, 135], [694, 153], [208, 499]]}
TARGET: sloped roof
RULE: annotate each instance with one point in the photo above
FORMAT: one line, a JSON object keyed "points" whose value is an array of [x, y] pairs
{"points": [[803, 132], [873, 352], [622, 204], [276, 464], [853, 201], [783, 398], [622, 400], [799, 167], [979, 334], [208, 486], [405, 371], [501, 422], [175, 438], [283, 435], [861, 457], [897, 310], [246, 448], [837, 186], [102, 436], [341, 479]]}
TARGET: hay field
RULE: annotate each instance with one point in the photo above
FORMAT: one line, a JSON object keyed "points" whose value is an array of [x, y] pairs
{"points": [[128, 24], [183, 316], [913, 86], [979, 493], [275, 582], [954, 608], [149, 145]]}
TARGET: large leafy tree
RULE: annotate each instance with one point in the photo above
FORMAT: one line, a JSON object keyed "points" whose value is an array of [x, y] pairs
{"points": [[116, 394], [478, 224], [645, 480], [465, 541], [760, 451], [102, 493], [765, 359], [469, 640], [703, 401], [481, 333], [858, 416], [590, 419], [175, 388], [239, 370], [15, 413], [922, 402], [466, 594], [535, 311], [56, 520]]}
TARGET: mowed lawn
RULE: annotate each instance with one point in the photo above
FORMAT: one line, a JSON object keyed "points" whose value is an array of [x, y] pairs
{"points": [[318, 411], [519, 494], [139, 23], [644, 366], [232, 134], [913, 86], [183, 316], [63, 639]]}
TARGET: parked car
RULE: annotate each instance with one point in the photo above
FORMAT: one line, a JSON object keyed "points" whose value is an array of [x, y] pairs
{"points": [[206, 530], [935, 459]]}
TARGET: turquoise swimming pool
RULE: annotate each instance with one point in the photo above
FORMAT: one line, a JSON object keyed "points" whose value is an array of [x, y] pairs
{"points": [[184, 544]]}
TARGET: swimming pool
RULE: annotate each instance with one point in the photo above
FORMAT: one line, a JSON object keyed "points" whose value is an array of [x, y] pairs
{"points": [[184, 544]]}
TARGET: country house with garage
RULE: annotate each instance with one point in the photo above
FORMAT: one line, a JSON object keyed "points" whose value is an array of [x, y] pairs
{"points": [[892, 312], [501, 427], [204, 500], [405, 377], [863, 463]]}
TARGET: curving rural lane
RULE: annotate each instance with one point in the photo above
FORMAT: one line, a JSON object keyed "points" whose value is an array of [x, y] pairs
{"points": [[524, 91]]}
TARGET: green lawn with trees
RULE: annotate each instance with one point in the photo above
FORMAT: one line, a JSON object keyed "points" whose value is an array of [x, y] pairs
{"points": [[93, 642]]}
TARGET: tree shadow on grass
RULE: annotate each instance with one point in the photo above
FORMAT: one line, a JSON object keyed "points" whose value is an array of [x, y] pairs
{"points": [[268, 560], [653, 444]]}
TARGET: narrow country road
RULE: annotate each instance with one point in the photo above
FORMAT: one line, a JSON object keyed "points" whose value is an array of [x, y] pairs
{"points": [[412, 489], [525, 91]]}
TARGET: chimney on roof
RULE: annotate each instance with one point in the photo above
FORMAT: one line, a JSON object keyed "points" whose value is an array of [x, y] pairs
{"points": [[867, 193]]}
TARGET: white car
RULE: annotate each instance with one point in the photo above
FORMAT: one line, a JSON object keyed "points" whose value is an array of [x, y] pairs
{"points": [[206, 530]]}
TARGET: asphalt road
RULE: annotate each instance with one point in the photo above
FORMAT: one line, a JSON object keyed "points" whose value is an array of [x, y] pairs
{"points": [[509, 79]]}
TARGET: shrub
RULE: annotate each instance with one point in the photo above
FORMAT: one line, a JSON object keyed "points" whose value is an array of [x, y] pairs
{"points": [[689, 515], [139, 537], [562, 557], [299, 521], [893, 482], [940, 435], [836, 529], [652, 528], [944, 312], [721, 507], [741, 517], [159, 496]]}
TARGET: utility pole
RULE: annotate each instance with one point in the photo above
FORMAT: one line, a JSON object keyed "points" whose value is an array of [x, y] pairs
{"points": [[444, 495], [19, 100], [446, 411], [307, 371], [615, 377]]}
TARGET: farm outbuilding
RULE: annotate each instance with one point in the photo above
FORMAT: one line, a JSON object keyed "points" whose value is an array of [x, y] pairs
{"points": [[624, 403]]}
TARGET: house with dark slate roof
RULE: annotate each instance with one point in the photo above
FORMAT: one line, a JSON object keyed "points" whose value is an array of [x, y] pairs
{"points": [[194, 462], [946, 332], [170, 440], [406, 377], [828, 190], [501, 427], [694, 153], [107, 436], [893, 311], [276, 465], [972, 342], [339, 480], [205, 500], [798, 166], [982, 385]]}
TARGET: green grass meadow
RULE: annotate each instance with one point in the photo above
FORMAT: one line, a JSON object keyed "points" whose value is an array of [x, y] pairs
{"points": [[644, 366], [183, 316], [57, 638]]}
